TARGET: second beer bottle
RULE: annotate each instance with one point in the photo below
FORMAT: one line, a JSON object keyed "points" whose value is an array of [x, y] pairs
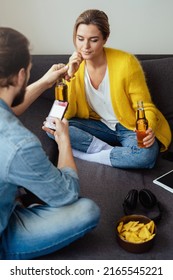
{"points": [[141, 124]]}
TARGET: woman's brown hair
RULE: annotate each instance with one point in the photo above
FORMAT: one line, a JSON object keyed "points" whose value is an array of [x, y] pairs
{"points": [[95, 17]]}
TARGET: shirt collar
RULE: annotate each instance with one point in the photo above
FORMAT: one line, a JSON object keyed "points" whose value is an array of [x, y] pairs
{"points": [[5, 106]]}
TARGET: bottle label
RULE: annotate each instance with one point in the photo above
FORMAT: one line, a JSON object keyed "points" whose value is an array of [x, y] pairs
{"points": [[61, 92], [141, 125], [140, 136]]}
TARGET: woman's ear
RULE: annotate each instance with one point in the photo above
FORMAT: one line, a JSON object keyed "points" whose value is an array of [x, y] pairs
{"points": [[105, 40]]}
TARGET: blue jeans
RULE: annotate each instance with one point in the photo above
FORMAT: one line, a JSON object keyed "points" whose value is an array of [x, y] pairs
{"points": [[41, 230], [125, 152]]}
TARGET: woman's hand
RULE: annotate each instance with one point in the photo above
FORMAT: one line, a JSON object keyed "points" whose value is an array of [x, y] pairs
{"points": [[150, 138], [73, 65]]}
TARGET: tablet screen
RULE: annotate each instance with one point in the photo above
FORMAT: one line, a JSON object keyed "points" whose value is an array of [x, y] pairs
{"points": [[165, 181]]}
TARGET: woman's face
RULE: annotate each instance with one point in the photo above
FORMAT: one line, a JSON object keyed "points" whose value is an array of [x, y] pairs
{"points": [[89, 41]]}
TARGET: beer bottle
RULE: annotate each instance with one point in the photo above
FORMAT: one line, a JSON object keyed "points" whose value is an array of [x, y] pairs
{"points": [[61, 91], [141, 124]]}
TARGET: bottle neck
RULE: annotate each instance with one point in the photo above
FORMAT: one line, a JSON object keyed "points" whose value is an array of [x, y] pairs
{"points": [[140, 113], [140, 110], [61, 81]]}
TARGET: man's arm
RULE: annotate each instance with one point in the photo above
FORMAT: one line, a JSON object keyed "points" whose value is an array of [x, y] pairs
{"points": [[34, 90], [63, 140]]}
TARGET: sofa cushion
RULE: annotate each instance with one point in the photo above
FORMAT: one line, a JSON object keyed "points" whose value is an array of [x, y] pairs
{"points": [[159, 77]]}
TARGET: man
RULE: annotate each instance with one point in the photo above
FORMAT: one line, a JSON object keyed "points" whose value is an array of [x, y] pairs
{"points": [[29, 232]]}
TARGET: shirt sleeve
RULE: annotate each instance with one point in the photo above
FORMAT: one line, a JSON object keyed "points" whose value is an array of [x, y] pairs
{"points": [[30, 168], [138, 90]]}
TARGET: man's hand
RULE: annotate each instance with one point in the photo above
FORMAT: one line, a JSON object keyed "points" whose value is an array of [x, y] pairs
{"points": [[34, 90], [56, 72], [62, 138], [61, 133]]}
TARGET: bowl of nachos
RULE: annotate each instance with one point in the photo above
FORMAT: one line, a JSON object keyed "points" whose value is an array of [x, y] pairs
{"points": [[135, 233]]}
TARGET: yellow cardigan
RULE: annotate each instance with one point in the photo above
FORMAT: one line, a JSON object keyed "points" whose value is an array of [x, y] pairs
{"points": [[127, 86]]}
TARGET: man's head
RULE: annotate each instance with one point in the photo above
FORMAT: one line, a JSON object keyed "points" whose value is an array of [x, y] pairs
{"points": [[14, 57]]}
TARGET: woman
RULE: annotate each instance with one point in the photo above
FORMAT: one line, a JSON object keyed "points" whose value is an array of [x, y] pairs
{"points": [[104, 86]]}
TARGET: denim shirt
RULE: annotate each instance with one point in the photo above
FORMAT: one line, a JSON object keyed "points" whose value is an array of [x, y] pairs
{"points": [[24, 163]]}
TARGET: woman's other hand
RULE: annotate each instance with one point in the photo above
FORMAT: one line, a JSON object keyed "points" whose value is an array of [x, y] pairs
{"points": [[73, 65], [150, 138]]}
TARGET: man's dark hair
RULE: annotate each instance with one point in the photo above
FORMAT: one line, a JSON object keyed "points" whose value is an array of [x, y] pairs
{"points": [[14, 54]]}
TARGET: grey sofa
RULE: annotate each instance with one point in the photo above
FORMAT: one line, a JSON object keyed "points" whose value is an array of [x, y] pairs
{"points": [[108, 186]]}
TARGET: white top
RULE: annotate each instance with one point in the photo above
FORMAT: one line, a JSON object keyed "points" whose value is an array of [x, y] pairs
{"points": [[100, 100]]}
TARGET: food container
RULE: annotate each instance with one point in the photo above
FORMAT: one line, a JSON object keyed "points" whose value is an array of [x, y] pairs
{"points": [[135, 246]]}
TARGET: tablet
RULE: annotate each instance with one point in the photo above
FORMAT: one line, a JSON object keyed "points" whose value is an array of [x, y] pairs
{"points": [[165, 181]]}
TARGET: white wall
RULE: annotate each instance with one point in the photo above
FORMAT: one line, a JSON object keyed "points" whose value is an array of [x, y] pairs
{"points": [[137, 26]]}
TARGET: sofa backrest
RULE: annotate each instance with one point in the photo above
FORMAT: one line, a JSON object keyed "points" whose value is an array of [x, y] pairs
{"points": [[159, 78], [41, 64], [158, 70]]}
